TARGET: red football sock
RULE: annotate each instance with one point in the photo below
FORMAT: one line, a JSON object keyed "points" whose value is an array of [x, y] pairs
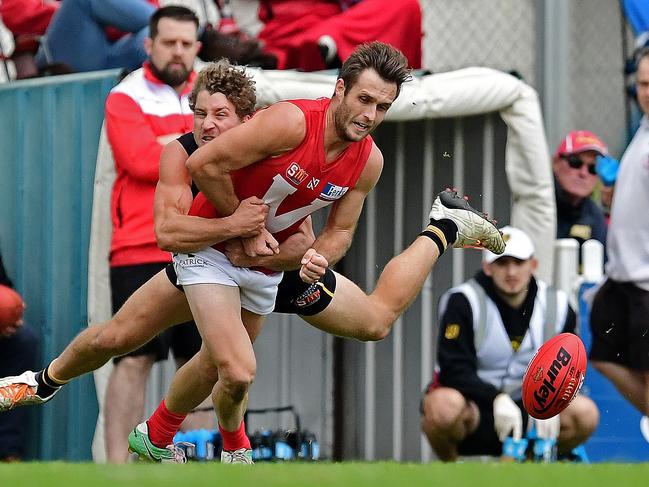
{"points": [[163, 425], [235, 440]]}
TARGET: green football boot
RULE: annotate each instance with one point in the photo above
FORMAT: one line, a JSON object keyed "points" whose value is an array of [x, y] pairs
{"points": [[140, 444]]}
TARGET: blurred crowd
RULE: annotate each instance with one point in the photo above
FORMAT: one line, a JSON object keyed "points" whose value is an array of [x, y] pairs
{"points": [[53, 37]]}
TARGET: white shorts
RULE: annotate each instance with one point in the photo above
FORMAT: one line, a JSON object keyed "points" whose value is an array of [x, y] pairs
{"points": [[209, 266]]}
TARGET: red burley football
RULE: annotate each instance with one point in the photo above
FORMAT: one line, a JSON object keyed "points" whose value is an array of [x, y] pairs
{"points": [[11, 306], [554, 376]]}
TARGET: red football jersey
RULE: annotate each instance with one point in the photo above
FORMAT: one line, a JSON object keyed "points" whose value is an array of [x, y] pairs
{"points": [[298, 182]]}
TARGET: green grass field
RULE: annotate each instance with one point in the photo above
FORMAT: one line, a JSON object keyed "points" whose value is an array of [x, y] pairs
{"points": [[324, 474]]}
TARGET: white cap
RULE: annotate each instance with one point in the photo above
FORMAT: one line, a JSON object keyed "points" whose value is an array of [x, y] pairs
{"points": [[518, 245]]}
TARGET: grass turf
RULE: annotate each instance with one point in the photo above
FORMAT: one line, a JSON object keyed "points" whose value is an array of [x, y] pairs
{"points": [[58, 474]]}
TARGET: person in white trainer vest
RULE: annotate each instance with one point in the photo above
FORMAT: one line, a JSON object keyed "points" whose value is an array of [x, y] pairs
{"points": [[490, 328]]}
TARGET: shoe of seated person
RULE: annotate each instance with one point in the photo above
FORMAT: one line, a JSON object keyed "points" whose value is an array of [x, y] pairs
{"points": [[20, 390], [242, 456], [140, 444], [474, 229], [576, 455]]}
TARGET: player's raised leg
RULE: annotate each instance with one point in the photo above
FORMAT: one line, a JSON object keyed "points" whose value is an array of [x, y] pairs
{"points": [[154, 307], [354, 314], [369, 317]]}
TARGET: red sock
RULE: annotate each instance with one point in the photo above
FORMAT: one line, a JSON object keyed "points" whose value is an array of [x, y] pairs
{"points": [[163, 425], [235, 440]]}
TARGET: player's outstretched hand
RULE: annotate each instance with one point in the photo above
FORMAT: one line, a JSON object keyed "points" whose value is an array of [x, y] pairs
{"points": [[313, 267], [262, 244], [250, 217]]}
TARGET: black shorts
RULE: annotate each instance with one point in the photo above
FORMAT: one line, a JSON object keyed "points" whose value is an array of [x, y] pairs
{"points": [[294, 296], [484, 440], [182, 339], [619, 323]]}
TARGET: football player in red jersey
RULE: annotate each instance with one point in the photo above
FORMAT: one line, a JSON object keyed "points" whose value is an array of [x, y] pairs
{"points": [[329, 140], [158, 304], [338, 163]]}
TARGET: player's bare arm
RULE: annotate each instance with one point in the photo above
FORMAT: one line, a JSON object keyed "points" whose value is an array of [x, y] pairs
{"points": [[335, 239], [272, 131], [289, 258], [175, 230]]}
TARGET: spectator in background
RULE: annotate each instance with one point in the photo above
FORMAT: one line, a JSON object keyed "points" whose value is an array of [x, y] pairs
{"points": [[311, 35], [228, 41], [27, 20], [491, 326], [575, 175], [18, 350], [619, 319], [89, 35], [23, 17], [148, 109]]}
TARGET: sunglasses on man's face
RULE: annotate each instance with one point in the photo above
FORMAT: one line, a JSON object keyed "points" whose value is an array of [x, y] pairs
{"points": [[575, 162]]}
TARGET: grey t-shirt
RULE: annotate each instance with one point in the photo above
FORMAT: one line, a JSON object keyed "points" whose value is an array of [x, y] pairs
{"points": [[628, 235]]}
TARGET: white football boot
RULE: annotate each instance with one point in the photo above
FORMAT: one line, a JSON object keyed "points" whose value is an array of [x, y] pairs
{"points": [[242, 456], [474, 229]]}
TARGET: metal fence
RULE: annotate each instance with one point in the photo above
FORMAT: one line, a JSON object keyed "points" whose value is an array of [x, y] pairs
{"points": [[500, 34], [569, 50]]}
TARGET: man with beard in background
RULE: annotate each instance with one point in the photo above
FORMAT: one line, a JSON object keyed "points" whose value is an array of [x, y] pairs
{"points": [[144, 112]]}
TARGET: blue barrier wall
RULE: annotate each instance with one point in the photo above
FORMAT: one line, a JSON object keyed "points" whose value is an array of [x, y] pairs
{"points": [[49, 133], [622, 435]]}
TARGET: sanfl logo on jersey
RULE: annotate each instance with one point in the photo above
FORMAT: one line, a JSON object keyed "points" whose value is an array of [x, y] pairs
{"points": [[295, 173], [333, 192]]}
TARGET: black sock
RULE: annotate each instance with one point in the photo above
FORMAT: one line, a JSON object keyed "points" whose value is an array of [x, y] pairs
{"points": [[46, 385], [442, 232]]}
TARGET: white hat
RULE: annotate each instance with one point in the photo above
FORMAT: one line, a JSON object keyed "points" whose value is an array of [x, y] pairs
{"points": [[518, 245]]}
